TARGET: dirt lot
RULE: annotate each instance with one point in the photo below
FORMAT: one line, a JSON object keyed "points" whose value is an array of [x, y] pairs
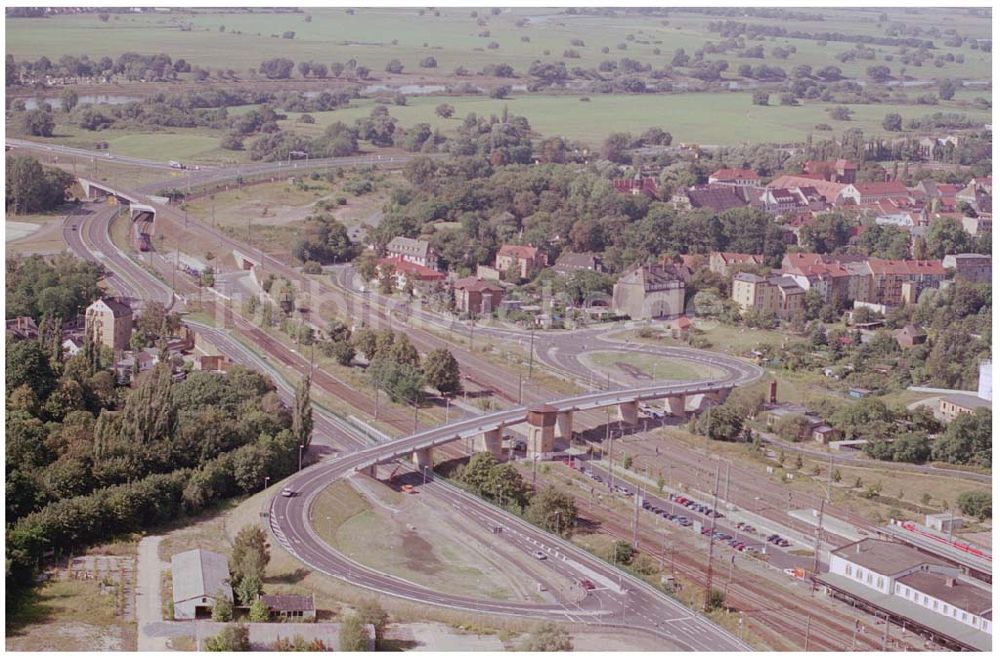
{"points": [[405, 535], [35, 234], [84, 606]]}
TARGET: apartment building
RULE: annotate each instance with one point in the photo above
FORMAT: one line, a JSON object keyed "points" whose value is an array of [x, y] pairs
{"points": [[111, 322], [779, 295], [419, 252]]}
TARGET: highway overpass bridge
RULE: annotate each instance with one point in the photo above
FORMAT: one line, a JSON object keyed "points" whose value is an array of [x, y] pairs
{"points": [[550, 426]]}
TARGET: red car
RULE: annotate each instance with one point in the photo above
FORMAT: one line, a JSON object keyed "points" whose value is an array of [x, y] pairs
{"points": [[587, 585]]}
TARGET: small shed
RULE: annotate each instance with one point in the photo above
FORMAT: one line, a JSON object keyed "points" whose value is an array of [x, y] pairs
{"points": [[200, 577], [290, 607]]}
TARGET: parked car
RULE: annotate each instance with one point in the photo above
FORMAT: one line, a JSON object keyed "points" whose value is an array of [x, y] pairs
{"points": [[587, 585]]}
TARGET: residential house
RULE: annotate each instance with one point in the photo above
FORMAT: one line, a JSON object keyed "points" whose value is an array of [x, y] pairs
{"points": [[110, 320], [838, 171], [974, 268], [721, 262], [649, 292], [950, 406], [912, 588], [889, 277], [779, 295], [647, 185], [818, 272], [680, 327], [830, 191], [864, 193], [716, 199], [200, 578], [72, 346], [22, 327], [290, 607], [979, 195], [419, 252], [977, 225], [409, 273], [569, 262], [521, 260], [734, 177], [909, 336], [475, 296]]}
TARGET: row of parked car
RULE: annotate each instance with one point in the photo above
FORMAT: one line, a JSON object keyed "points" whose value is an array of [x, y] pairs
{"points": [[695, 506], [676, 518]]}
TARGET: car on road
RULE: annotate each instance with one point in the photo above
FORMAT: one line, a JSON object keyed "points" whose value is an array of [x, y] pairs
{"points": [[540, 555], [287, 493], [587, 584]]}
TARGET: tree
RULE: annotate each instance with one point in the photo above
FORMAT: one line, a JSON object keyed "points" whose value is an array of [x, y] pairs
{"points": [[946, 236], [716, 599], [967, 440], [547, 636], [879, 73], [428, 63], [278, 68], [259, 611], [28, 365], [370, 612], [441, 371], [342, 351], [841, 113], [32, 187], [444, 110], [978, 504], [621, 552], [353, 634], [892, 122], [250, 556], [302, 418], [552, 510], [761, 97], [69, 98], [947, 89], [231, 638], [222, 610], [248, 588], [38, 123], [394, 66]]}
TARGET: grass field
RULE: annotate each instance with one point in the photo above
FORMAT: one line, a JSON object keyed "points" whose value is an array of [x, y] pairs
{"points": [[373, 36], [704, 118]]}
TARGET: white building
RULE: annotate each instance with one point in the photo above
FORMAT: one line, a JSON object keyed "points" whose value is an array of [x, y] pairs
{"points": [[986, 380], [419, 252], [925, 592], [199, 577]]}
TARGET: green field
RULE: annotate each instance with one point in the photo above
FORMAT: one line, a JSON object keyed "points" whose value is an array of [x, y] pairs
{"points": [[732, 118], [373, 36]]}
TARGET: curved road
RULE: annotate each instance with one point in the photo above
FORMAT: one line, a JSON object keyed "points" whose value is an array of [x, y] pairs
{"points": [[634, 606]]}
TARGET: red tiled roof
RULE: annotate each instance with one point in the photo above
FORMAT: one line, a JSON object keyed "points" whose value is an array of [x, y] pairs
{"points": [[734, 174], [734, 258], [888, 187], [829, 190], [475, 284], [406, 267], [909, 267], [519, 251]]}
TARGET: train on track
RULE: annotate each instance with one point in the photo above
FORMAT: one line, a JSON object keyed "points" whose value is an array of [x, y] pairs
{"points": [[953, 543], [140, 238]]}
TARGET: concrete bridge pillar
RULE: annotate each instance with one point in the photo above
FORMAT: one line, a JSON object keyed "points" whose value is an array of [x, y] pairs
{"points": [[423, 457], [541, 430], [564, 425], [674, 405], [491, 442], [628, 412]]}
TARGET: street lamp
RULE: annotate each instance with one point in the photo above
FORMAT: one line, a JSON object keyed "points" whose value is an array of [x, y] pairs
{"points": [[301, 448], [267, 478]]}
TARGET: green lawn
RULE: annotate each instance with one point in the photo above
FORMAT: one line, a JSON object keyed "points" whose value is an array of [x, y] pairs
{"points": [[373, 36], [733, 119]]}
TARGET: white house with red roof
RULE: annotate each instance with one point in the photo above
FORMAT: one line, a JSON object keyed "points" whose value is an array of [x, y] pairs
{"points": [[734, 177]]}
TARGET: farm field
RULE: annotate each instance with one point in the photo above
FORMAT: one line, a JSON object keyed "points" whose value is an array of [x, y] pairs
{"points": [[734, 119], [455, 37]]}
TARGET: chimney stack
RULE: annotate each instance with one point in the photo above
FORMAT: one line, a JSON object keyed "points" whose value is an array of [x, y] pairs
{"points": [[772, 397], [949, 581]]}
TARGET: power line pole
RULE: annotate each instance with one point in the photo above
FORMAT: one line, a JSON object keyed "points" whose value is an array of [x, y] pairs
{"points": [[819, 532], [531, 352], [711, 540], [808, 624], [635, 528]]}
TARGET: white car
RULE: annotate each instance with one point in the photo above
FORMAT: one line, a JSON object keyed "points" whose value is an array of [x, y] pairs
{"points": [[540, 555], [287, 493]]}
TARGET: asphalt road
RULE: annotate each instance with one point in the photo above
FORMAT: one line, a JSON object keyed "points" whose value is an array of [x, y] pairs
{"points": [[638, 606]]}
